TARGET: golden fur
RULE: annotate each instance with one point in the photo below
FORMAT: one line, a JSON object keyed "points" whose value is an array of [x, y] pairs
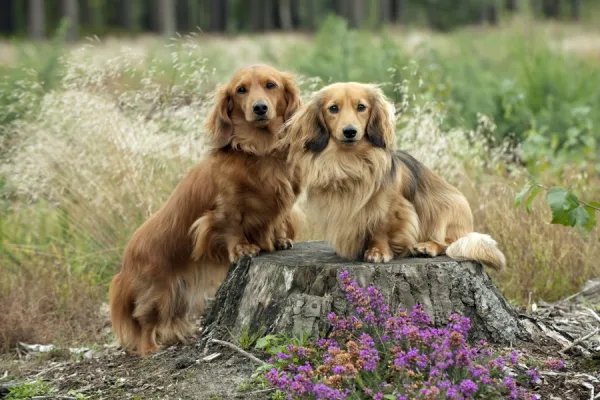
{"points": [[372, 201], [236, 202]]}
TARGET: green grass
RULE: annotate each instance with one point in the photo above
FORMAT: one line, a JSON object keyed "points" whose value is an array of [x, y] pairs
{"points": [[93, 141], [28, 390]]}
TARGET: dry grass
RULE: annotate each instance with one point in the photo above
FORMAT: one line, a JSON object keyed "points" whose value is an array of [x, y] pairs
{"points": [[107, 146], [47, 302], [545, 262]]}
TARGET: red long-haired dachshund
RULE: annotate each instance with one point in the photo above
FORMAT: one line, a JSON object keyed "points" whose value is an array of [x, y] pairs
{"points": [[374, 202], [236, 202]]}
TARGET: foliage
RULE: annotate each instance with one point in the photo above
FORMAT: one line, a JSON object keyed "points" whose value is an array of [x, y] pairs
{"points": [[377, 354], [566, 208], [445, 15], [537, 94], [247, 338], [98, 149], [27, 390]]}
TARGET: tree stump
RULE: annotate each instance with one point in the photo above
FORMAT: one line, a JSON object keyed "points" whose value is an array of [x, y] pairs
{"points": [[293, 291]]}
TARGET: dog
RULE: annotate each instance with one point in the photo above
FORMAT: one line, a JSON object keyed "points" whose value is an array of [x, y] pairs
{"points": [[235, 203], [372, 201]]}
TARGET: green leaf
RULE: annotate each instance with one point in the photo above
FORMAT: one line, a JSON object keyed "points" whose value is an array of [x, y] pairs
{"points": [[560, 199], [265, 341], [563, 204], [522, 194], [594, 204], [579, 216], [389, 397], [536, 190], [591, 223]]}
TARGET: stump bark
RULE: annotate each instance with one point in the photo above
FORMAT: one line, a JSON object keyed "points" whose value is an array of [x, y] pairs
{"points": [[293, 291]]}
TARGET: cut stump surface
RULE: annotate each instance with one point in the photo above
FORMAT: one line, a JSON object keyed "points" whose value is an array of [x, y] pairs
{"points": [[293, 291]]}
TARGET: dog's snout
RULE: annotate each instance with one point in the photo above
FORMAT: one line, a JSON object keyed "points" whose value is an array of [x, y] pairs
{"points": [[349, 131], [260, 108]]}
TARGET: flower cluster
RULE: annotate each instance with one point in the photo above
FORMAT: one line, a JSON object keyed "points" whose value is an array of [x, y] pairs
{"points": [[377, 354]]}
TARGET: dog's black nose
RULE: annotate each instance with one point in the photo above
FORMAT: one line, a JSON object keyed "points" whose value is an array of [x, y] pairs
{"points": [[260, 108], [349, 131]]}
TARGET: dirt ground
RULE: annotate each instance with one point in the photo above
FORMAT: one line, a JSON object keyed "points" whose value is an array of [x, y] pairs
{"points": [[179, 373], [175, 373]]}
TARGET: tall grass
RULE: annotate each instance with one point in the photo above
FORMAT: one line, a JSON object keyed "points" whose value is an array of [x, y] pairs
{"points": [[87, 157]]}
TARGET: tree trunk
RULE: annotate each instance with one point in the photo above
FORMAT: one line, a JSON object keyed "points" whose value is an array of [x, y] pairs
{"points": [[71, 12], [551, 8], [575, 9], [166, 17], [132, 12], [37, 25], [397, 10], [489, 13], [8, 18], [97, 15], [285, 14], [218, 17], [295, 14], [270, 15], [311, 20], [257, 15], [193, 20], [357, 13], [293, 291], [511, 5], [385, 11]]}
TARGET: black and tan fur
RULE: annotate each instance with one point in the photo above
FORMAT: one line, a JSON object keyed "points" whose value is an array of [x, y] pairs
{"points": [[372, 201]]}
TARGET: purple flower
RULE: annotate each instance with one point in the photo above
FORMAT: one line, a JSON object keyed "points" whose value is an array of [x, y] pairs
{"points": [[424, 361], [324, 392], [534, 375], [468, 387], [513, 357], [555, 364], [338, 370]]}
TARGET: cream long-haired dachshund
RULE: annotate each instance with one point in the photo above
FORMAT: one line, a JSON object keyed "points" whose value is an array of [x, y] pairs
{"points": [[236, 202], [372, 201]]}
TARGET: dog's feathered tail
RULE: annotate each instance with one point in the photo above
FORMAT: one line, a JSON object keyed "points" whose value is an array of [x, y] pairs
{"points": [[477, 247]]}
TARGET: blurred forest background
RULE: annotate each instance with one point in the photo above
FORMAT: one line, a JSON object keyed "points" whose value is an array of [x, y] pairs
{"points": [[102, 105], [38, 18]]}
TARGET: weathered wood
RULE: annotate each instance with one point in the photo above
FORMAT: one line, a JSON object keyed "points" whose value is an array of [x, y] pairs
{"points": [[294, 291]]}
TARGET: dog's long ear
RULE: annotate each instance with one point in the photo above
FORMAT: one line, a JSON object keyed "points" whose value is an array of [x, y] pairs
{"points": [[219, 124], [380, 129], [306, 130], [292, 96]]}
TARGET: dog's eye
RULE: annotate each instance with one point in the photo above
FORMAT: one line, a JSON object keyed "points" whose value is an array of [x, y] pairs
{"points": [[241, 90], [361, 107], [333, 109], [270, 85]]}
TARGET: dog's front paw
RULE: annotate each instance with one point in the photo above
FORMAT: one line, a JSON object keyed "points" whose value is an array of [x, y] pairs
{"points": [[246, 249], [283, 244], [430, 249], [378, 255]]}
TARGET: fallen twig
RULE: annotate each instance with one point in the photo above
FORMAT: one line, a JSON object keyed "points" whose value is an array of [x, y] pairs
{"points": [[589, 386], [593, 313], [236, 348], [45, 371], [261, 391], [577, 341]]}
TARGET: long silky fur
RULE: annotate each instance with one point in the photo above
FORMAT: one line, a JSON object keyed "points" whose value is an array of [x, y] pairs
{"points": [[240, 194], [374, 197]]}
